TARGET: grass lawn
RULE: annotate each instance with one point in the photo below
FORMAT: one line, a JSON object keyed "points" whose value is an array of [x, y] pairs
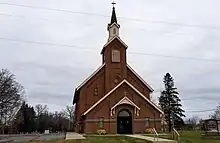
{"points": [[100, 139], [190, 137], [186, 137], [194, 137]]}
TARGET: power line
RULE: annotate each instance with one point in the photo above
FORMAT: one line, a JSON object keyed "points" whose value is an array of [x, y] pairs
{"points": [[191, 98], [125, 18], [90, 49], [38, 18], [202, 110], [69, 21], [176, 57], [52, 9], [198, 98], [44, 43]]}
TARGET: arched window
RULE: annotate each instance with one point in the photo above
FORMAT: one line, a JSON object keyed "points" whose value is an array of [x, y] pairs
{"points": [[114, 31], [124, 113]]}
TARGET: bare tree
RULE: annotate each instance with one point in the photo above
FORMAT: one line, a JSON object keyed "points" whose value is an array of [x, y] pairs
{"points": [[216, 114], [11, 93], [69, 113], [192, 122], [40, 109]]}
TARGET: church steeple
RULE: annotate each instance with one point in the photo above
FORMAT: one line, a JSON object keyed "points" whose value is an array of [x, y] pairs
{"points": [[113, 18], [113, 26]]}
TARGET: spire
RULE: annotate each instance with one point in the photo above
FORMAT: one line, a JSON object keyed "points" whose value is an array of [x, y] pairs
{"points": [[113, 26], [113, 18]]}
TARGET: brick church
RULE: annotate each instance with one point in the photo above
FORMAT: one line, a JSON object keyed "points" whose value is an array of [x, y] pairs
{"points": [[115, 98]]}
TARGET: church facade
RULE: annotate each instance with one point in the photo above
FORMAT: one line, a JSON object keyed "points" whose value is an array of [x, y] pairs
{"points": [[115, 98]]}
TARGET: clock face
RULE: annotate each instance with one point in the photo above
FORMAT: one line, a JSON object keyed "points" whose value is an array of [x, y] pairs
{"points": [[115, 55]]}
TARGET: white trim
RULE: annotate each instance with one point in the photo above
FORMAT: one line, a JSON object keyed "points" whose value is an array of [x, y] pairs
{"points": [[124, 81], [94, 105], [140, 77], [109, 26], [130, 103], [113, 39], [155, 106], [87, 79]]}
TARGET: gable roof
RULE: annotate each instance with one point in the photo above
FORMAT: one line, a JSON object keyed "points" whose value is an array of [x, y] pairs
{"points": [[141, 79], [115, 37], [87, 79], [125, 100], [124, 81]]}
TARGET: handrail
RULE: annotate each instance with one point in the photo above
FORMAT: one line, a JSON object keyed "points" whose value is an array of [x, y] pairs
{"points": [[155, 134], [176, 131], [178, 135]]}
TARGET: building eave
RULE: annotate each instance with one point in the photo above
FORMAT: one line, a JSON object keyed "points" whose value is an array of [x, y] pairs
{"points": [[74, 96], [87, 79], [123, 99], [115, 37], [141, 79]]}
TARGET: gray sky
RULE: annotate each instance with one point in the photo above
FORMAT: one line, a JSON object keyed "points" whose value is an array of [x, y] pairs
{"points": [[49, 73]]}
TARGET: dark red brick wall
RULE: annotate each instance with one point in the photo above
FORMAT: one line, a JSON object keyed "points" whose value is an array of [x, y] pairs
{"points": [[86, 93], [135, 81], [111, 69], [103, 110], [104, 80]]}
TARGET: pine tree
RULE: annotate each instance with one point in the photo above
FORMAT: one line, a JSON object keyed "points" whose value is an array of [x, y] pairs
{"points": [[26, 119], [170, 103]]}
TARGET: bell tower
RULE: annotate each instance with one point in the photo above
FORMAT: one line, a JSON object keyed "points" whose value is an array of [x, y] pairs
{"points": [[114, 55]]}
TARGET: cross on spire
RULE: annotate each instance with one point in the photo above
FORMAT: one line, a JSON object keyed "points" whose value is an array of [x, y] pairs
{"points": [[113, 3], [113, 17]]}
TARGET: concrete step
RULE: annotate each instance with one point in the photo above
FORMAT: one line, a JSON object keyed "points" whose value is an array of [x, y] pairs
{"points": [[74, 136], [157, 140]]}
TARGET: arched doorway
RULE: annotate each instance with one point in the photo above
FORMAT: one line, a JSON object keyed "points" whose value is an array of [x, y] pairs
{"points": [[124, 122]]}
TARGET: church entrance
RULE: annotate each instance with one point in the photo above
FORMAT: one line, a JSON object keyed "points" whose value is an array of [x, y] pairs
{"points": [[124, 122]]}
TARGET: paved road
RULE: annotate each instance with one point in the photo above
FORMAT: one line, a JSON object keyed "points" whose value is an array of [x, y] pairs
{"points": [[30, 137], [19, 138]]}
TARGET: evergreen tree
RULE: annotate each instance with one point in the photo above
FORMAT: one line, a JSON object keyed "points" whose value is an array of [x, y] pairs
{"points": [[170, 103], [26, 119], [29, 120]]}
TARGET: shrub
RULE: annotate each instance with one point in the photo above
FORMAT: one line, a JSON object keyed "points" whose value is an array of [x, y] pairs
{"points": [[149, 131], [101, 131]]}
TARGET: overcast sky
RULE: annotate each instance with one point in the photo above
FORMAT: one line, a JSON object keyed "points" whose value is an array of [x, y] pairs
{"points": [[50, 73]]}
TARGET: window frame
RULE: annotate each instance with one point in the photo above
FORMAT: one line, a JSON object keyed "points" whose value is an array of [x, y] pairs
{"points": [[116, 56], [114, 31]]}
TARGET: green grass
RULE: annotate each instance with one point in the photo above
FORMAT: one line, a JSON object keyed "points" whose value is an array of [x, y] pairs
{"points": [[101, 139], [186, 137], [194, 137], [190, 137]]}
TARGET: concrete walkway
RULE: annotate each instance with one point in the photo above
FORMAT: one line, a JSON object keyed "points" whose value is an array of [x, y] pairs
{"points": [[73, 136], [160, 140]]}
